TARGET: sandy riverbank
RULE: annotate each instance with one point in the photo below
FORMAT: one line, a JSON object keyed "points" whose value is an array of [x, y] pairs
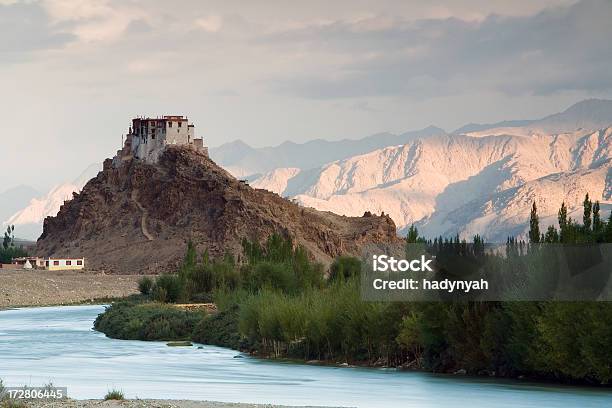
{"points": [[45, 288], [146, 404]]}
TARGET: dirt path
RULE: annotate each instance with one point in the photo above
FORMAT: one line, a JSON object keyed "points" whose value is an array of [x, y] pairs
{"points": [[41, 288], [145, 215]]}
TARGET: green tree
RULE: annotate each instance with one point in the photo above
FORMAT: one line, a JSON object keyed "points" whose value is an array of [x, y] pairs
{"points": [[413, 235], [9, 237], [552, 236], [588, 209], [563, 222], [597, 224], [534, 225]]}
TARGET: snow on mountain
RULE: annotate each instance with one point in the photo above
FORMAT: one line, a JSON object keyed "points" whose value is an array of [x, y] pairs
{"points": [[276, 180], [14, 199], [459, 183], [28, 221], [505, 213], [242, 160]]}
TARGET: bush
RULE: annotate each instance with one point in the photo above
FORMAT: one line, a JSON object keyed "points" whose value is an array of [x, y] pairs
{"points": [[145, 284], [147, 321], [220, 329], [169, 288], [345, 267], [114, 395]]}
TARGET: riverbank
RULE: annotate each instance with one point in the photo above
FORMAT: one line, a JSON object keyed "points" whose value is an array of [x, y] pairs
{"points": [[146, 404], [65, 351], [19, 288]]}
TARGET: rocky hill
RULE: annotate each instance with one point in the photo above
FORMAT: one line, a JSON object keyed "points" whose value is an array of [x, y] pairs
{"points": [[137, 217]]}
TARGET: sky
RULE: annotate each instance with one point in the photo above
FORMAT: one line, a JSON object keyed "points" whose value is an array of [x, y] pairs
{"points": [[74, 72]]}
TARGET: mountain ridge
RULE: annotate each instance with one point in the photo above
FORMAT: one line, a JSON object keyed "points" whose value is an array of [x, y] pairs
{"points": [[427, 181]]}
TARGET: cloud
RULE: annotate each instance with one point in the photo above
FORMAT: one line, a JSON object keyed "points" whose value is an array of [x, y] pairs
{"points": [[211, 24], [24, 28], [557, 49]]}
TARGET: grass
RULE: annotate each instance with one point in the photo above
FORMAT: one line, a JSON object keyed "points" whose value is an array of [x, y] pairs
{"points": [[114, 395], [9, 403]]}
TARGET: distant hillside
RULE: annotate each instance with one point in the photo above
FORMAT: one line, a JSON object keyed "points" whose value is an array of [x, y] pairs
{"points": [[242, 160], [13, 200], [590, 114], [28, 217], [451, 184]]}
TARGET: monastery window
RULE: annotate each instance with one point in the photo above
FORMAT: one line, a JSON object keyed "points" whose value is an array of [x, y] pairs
{"points": [[79, 263], [68, 263], [180, 124], [170, 124], [55, 263]]}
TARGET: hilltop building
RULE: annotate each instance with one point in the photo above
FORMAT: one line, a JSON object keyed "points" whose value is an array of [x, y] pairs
{"points": [[147, 137]]}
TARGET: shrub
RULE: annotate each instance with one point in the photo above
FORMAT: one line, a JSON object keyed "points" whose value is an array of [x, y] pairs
{"points": [[114, 395], [220, 329], [170, 288], [147, 321], [345, 267], [145, 284]]}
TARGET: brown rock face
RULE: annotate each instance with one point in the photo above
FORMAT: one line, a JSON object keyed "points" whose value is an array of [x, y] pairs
{"points": [[137, 217]]}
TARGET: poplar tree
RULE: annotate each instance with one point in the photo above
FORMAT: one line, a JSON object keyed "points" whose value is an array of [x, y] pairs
{"points": [[597, 224], [588, 209], [534, 225], [562, 217]]}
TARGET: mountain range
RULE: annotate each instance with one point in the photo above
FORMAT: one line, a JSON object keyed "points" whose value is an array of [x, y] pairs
{"points": [[479, 178]]}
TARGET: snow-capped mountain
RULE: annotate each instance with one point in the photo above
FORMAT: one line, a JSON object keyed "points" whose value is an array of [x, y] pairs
{"points": [[28, 221], [14, 199], [483, 181], [481, 178], [243, 161]]}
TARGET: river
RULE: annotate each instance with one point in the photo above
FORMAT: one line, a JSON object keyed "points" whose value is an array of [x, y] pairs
{"points": [[58, 344]]}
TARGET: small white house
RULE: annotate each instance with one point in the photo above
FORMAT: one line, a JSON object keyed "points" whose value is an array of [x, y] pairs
{"points": [[61, 264]]}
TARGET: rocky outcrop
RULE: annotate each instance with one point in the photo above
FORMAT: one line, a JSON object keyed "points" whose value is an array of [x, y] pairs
{"points": [[137, 217]]}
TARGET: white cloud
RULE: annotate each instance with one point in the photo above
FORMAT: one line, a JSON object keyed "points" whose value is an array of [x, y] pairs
{"points": [[94, 20], [211, 24]]}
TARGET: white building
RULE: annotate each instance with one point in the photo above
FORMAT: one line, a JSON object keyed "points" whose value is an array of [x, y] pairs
{"points": [[148, 137], [63, 264]]}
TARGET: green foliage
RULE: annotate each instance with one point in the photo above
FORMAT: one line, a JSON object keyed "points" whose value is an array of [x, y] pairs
{"points": [[534, 225], [9, 237], [332, 323], [345, 267], [574, 340], [169, 288], [147, 321], [114, 395], [145, 284], [9, 250], [220, 329]]}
